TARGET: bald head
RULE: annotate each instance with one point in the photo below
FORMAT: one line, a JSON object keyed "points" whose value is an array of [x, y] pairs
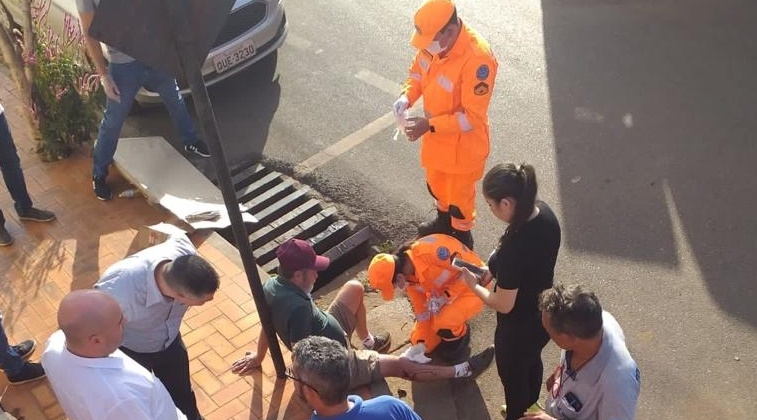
{"points": [[87, 318]]}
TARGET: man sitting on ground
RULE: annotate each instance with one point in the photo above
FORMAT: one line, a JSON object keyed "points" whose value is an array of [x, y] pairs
{"points": [[295, 316], [320, 371]]}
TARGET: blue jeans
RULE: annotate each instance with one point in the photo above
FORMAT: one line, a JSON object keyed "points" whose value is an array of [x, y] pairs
{"points": [[10, 361], [10, 165], [130, 77]]}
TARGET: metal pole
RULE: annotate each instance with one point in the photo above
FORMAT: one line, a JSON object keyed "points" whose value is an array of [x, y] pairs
{"points": [[184, 43]]}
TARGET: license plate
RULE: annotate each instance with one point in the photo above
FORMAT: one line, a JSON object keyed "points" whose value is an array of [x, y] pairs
{"points": [[231, 59]]}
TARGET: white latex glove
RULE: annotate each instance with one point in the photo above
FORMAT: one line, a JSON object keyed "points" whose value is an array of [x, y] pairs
{"points": [[110, 88], [400, 106], [416, 353]]}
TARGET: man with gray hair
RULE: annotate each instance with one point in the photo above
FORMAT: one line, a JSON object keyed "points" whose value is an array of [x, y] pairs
{"points": [[597, 378], [91, 377], [320, 369]]}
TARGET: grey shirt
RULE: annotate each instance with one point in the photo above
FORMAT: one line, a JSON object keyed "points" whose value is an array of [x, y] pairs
{"points": [[113, 55], [605, 388], [152, 320]]}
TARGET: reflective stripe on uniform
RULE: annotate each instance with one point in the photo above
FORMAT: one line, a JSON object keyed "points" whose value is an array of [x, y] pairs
{"points": [[462, 121]]}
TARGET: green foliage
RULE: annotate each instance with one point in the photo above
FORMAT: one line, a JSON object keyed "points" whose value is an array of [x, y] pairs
{"points": [[66, 96]]}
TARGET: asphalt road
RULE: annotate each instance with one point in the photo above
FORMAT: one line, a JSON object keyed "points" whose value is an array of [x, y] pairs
{"points": [[638, 118]]}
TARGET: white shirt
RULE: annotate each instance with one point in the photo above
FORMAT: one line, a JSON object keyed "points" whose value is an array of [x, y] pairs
{"points": [[106, 388]]}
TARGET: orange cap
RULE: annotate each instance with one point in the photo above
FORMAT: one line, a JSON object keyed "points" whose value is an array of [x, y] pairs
{"points": [[429, 21], [381, 275]]}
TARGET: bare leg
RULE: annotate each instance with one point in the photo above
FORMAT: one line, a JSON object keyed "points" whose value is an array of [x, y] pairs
{"points": [[393, 366], [351, 295]]}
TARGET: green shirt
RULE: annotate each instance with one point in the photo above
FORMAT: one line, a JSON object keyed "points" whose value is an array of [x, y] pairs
{"points": [[295, 315]]}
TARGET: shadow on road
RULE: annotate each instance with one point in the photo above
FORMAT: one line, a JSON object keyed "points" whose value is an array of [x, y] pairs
{"points": [[652, 106]]}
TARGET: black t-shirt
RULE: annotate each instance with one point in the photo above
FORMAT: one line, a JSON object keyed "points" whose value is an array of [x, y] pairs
{"points": [[526, 261]]}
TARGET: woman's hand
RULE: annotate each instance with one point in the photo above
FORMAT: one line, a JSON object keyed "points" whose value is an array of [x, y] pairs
{"points": [[246, 364], [471, 280]]}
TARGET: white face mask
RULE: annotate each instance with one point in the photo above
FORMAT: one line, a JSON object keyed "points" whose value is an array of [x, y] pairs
{"points": [[435, 48]]}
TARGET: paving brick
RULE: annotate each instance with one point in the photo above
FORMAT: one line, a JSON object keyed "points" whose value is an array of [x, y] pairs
{"points": [[228, 411], [215, 363], [231, 391], [226, 327], [231, 310], [44, 395], [207, 381], [219, 344], [198, 334], [202, 316], [205, 404]]}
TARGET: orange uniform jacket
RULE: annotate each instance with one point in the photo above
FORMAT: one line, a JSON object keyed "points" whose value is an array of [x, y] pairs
{"points": [[437, 280], [456, 92]]}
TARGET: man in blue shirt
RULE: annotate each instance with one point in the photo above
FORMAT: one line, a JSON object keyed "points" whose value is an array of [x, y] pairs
{"points": [[321, 375]]}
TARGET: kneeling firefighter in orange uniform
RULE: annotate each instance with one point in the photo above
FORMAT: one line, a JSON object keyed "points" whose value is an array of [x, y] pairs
{"points": [[441, 301]]}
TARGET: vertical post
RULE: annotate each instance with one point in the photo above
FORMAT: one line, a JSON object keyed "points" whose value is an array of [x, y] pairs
{"points": [[187, 56]]}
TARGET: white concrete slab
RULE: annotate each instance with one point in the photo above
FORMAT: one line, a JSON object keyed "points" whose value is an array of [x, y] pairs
{"points": [[166, 177]]}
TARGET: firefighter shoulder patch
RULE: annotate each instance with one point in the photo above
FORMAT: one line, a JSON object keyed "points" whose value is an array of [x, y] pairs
{"points": [[482, 72], [481, 89], [442, 253]]}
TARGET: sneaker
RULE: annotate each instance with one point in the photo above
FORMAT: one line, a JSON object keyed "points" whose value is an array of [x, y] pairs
{"points": [[199, 148], [25, 348], [5, 238], [480, 362], [102, 190], [36, 215], [381, 342], [29, 372]]}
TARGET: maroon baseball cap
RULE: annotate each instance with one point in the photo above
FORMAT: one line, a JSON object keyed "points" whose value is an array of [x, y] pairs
{"points": [[296, 254]]}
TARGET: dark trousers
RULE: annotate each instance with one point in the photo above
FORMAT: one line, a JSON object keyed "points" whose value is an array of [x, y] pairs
{"points": [[518, 348], [10, 165], [171, 366]]}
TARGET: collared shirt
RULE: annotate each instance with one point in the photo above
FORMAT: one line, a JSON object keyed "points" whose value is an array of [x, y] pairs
{"points": [[605, 388], [152, 320], [106, 388]]}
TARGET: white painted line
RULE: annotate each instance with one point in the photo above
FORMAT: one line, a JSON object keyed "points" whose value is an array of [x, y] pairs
{"points": [[344, 145], [298, 42], [380, 82]]}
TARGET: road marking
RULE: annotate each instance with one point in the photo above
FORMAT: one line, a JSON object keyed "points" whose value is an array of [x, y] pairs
{"points": [[380, 82], [344, 145], [298, 42], [374, 127]]}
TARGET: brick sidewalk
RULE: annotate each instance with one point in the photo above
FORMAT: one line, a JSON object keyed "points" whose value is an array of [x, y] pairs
{"points": [[48, 260]]}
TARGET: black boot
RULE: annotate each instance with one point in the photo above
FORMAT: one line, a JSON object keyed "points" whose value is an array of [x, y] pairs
{"points": [[463, 236], [441, 224], [454, 351]]}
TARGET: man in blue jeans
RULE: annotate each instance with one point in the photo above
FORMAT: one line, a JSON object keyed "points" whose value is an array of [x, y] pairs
{"points": [[13, 360], [10, 165], [121, 79]]}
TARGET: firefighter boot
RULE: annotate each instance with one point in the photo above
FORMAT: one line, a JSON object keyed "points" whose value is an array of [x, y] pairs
{"points": [[441, 224], [464, 236]]}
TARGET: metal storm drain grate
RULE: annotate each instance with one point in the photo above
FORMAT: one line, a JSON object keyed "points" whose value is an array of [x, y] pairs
{"points": [[285, 210]]}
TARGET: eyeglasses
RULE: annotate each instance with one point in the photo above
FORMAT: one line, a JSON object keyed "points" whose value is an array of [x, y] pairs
{"points": [[289, 374]]}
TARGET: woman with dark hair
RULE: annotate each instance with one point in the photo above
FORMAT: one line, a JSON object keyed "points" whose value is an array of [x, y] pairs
{"points": [[522, 266]]}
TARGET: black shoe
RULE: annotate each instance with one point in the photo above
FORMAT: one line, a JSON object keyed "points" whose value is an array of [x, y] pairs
{"points": [[102, 190], [25, 348], [29, 372], [441, 224], [464, 236], [199, 148], [5, 238], [480, 362], [381, 342], [36, 215]]}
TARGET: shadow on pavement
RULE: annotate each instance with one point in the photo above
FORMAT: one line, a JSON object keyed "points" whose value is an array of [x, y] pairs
{"points": [[652, 105]]}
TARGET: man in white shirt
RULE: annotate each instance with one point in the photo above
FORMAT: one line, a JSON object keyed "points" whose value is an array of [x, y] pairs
{"points": [[91, 377]]}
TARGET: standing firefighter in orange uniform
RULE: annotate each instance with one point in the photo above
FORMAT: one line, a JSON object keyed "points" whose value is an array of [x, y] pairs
{"points": [[442, 303], [454, 71]]}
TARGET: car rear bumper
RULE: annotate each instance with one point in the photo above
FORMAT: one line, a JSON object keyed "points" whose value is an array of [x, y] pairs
{"points": [[271, 35]]}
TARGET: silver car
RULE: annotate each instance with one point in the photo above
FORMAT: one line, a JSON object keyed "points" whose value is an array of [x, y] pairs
{"points": [[254, 30]]}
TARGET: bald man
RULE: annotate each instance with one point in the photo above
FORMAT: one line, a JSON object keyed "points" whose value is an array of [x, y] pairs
{"points": [[91, 377]]}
